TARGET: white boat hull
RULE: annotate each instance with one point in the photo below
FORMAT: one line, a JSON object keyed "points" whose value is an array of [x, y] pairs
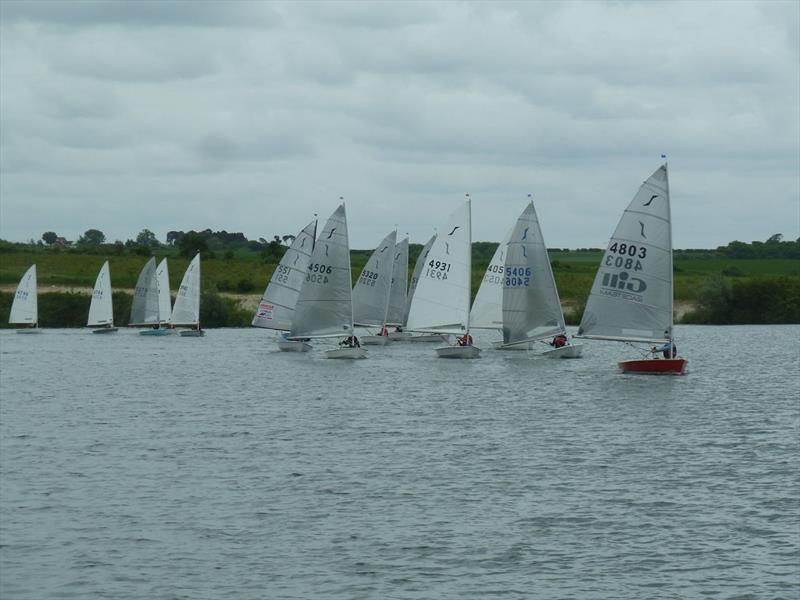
{"points": [[347, 353], [399, 336], [30, 330], [293, 346], [458, 352], [374, 340], [568, 351]]}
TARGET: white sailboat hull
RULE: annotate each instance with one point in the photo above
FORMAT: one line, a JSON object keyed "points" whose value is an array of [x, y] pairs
{"points": [[399, 336], [347, 353], [568, 351], [374, 340], [105, 330], [432, 338], [30, 330], [293, 346], [458, 352]]}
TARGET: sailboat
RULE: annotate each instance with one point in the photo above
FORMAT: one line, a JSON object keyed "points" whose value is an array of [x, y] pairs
{"points": [[25, 307], [412, 287], [101, 312], [631, 298], [145, 305], [164, 296], [277, 306], [442, 296], [487, 309], [187, 303], [325, 305], [531, 307], [371, 293], [395, 316]]}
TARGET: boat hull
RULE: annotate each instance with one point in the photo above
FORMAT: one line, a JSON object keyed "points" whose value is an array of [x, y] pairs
{"points": [[458, 352], [399, 336], [30, 330], [568, 351], [293, 346], [105, 330], [346, 353], [191, 333], [374, 340], [654, 366]]}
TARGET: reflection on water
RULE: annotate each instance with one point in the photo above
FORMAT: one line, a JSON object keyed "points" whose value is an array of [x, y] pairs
{"points": [[208, 468]]}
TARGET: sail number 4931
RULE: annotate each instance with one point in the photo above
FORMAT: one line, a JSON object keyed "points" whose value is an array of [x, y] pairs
{"points": [[437, 269]]}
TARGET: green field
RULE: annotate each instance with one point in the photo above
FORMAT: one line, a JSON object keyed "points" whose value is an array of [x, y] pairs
{"points": [[247, 273]]}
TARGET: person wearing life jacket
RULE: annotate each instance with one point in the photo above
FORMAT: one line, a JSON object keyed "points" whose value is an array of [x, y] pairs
{"points": [[559, 341], [465, 340], [668, 349], [384, 331]]}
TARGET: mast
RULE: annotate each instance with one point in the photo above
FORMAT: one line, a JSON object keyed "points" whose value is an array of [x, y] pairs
{"points": [[671, 271], [469, 260], [350, 272]]}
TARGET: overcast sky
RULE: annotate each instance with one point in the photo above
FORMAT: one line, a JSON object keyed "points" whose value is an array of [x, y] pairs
{"points": [[252, 116]]}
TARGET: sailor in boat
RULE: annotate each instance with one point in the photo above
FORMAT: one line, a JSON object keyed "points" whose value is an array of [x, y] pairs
{"points": [[350, 342], [398, 329], [465, 340], [384, 331], [559, 341], [668, 350]]}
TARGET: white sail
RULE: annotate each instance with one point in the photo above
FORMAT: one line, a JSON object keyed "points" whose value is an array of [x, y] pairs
{"points": [[101, 311], [442, 297], [631, 298], [487, 310], [25, 308], [531, 308], [372, 289], [397, 296], [144, 307], [164, 297], [187, 302], [325, 305], [276, 309], [412, 286]]}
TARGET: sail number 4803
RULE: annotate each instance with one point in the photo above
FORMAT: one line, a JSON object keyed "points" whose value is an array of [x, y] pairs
{"points": [[628, 250]]}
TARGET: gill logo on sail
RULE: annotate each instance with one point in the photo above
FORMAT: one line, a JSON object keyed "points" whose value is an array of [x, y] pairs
{"points": [[623, 285]]}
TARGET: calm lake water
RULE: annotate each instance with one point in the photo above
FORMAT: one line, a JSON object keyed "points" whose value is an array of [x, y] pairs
{"points": [[135, 467]]}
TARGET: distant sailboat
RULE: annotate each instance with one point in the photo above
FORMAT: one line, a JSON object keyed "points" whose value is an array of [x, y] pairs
{"points": [[187, 303], [25, 307], [395, 317], [412, 287], [325, 305], [531, 307], [487, 309], [371, 293], [442, 296], [277, 307], [145, 305], [164, 295], [101, 311], [631, 298]]}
